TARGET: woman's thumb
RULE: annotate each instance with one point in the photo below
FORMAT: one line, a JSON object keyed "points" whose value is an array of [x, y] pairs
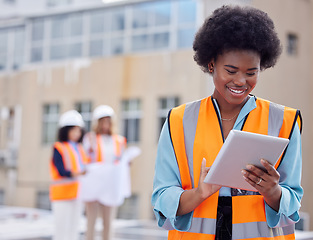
{"points": [[203, 164]]}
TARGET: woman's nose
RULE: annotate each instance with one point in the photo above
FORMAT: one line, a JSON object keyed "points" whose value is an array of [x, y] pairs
{"points": [[239, 79]]}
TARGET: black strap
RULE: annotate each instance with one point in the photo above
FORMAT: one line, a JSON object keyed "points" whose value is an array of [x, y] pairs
{"points": [[224, 219]]}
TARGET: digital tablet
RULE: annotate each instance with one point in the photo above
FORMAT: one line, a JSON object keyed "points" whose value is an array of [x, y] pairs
{"points": [[239, 149]]}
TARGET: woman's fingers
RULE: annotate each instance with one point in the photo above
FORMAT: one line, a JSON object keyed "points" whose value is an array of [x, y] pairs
{"points": [[203, 164], [252, 178], [269, 168], [257, 177], [204, 169]]}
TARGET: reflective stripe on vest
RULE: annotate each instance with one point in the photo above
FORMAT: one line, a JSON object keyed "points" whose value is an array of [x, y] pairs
{"points": [[119, 143], [196, 133], [63, 188]]}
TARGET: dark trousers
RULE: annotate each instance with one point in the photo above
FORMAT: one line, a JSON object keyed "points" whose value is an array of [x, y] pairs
{"points": [[224, 219]]}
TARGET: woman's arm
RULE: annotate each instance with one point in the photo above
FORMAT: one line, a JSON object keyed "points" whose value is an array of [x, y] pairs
{"points": [[58, 163], [281, 188], [172, 203], [290, 171], [167, 186], [190, 199]]}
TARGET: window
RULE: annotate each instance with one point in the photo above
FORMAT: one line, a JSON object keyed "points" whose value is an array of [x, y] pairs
{"points": [[185, 37], [141, 15], [10, 125], [162, 13], [96, 48], [186, 11], [66, 36], [186, 23], [1, 197], [137, 27], [3, 48], [58, 48], [58, 26], [131, 116], [161, 40], [98, 22], [84, 108], [292, 44], [37, 34], [18, 49], [98, 45], [50, 123], [151, 25], [38, 29], [141, 42], [118, 20], [117, 46], [107, 32], [151, 14], [165, 104], [12, 42], [76, 25], [43, 200], [4, 127]]}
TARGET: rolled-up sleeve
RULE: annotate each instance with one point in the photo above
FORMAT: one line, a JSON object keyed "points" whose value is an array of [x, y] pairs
{"points": [[290, 171], [167, 186]]}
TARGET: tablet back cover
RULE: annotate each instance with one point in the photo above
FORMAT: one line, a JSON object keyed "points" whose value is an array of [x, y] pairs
{"points": [[239, 149]]}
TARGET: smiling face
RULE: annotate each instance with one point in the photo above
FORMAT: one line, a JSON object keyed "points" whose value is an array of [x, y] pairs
{"points": [[235, 74]]}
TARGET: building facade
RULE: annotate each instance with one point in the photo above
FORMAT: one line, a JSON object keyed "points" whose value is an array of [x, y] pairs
{"points": [[133, 55]]}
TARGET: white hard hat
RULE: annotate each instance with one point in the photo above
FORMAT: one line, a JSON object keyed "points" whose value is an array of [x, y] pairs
{"points": [[103, 111], [71, 118]]}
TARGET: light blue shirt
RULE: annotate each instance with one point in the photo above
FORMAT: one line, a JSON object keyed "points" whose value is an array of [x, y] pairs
{"points": [[80, 160], [167, 183]]}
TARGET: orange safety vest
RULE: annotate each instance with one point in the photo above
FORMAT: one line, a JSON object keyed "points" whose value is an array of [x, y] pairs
{"points": [[64, 188], [119, 145], [196, 133]]}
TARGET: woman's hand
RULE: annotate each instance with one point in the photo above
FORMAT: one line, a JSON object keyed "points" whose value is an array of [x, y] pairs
{"points": [[190, 199], [76, 174], [205, 190], [265, 181]]}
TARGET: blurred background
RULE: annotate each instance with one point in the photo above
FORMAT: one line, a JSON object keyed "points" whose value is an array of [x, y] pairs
{"points": [[136, 56]]}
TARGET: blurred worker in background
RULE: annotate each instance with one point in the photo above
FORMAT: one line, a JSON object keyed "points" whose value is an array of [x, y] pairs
{"points": [[105, 149], [67, 164]]}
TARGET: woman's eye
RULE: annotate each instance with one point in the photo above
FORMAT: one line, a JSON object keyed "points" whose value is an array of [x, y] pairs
{"points": [[230, 72], [251, 74]]}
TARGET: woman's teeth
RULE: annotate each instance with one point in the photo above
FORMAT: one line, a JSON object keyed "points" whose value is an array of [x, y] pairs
{"points": [[236, 91]]}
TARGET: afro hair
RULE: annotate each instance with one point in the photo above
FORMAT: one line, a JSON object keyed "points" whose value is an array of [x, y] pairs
{"points": [[237, 28]]}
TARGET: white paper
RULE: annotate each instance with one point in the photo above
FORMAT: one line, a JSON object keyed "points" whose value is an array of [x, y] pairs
{"points": [[109, 184]]}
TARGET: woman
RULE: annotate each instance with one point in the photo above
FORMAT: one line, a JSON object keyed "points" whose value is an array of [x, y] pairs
{"points": [[106, 148], [67, 164], [233, 45]]}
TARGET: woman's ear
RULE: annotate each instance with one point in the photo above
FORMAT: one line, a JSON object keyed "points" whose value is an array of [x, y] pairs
{"points": [[211, 67]]}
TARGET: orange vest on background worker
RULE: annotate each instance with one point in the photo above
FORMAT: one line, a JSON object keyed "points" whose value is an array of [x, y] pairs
{"points": [[64, 188], [96, 150], [196, 133], [119, 145]]}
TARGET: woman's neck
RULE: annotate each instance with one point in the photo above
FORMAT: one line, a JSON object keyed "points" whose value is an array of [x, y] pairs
{"points": [[227, 109]]}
